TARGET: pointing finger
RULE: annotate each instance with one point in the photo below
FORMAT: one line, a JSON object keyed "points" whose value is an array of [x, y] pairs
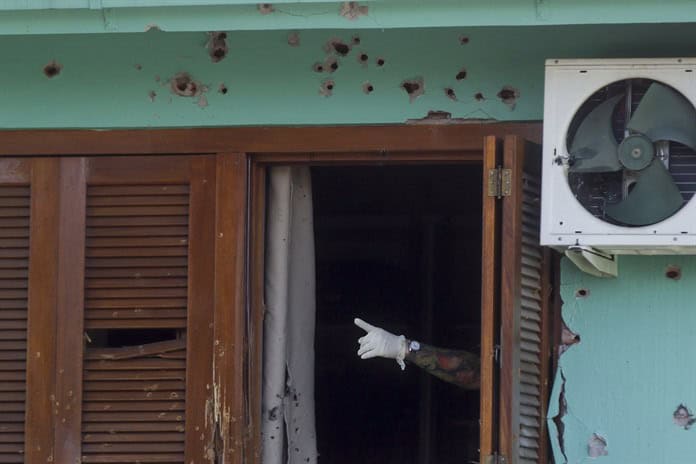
{"points": [[364, 325]]}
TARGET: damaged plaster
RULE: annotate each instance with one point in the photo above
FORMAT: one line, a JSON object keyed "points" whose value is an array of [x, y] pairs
{"points": [[622, 393], [268, 78]]}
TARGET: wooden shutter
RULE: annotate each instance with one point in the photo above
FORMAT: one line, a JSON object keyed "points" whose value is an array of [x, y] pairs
{"points": [[15, 203], [135, 256], [525, 348], [490, 311], [28, 242]]}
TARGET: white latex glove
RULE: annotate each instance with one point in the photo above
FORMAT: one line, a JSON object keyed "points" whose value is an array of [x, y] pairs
{"points": [[379, 342]]}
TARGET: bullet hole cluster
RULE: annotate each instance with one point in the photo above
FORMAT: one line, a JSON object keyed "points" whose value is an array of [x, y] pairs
{"points": [[217, 46], [52, 69], [336, 49]]}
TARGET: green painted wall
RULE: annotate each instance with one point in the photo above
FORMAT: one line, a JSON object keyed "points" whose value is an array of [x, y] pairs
{"points": [[634, 364], [106, 80]]}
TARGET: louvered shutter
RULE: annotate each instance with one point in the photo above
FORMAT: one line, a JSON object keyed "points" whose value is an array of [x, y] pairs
{"points": [[524, 311], [28, 242], [15, 201]]}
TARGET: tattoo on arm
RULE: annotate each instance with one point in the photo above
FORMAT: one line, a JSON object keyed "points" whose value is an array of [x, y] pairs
{"points": [[461, 368]]}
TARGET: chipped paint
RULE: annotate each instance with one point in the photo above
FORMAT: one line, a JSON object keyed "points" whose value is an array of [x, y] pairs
{"points": [[624, 393], [353, 10]]}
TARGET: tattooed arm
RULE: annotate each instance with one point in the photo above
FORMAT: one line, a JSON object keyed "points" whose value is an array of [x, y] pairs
{"points": [[458, 367]]}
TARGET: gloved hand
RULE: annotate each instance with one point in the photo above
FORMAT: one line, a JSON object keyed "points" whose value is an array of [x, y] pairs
{"points": [[379, 342]]}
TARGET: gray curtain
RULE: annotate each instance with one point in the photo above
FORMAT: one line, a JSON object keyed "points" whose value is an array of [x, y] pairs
{"points": [[288, 425]]}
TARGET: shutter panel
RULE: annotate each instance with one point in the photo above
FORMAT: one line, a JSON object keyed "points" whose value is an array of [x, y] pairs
{"points": [[524, 311], [148, 302], [490, 311], [28, 242], [14, 282]]}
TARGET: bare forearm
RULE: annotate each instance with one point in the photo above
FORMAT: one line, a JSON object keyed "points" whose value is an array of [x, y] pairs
{"points": [[461, 368]]}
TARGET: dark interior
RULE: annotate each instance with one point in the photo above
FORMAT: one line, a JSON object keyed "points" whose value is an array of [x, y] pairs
{"points": [[400, 247]]}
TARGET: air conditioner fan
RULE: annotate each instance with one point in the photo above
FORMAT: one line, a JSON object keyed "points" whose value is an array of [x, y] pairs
{"points": [[618, 163]]}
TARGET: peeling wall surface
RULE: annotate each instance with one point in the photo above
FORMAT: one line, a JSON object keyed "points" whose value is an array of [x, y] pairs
{"points": [[299, 77], [625, 392]]}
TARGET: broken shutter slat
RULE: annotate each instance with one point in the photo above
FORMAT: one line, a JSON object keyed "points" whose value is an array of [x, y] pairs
{"points": [[149, 264], [524, 326]]}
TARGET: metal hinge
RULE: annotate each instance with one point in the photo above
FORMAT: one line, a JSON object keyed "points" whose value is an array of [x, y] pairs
{"points": [[495, 459], [499, 182]]}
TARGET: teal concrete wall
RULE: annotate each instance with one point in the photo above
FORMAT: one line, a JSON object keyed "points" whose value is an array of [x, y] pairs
{"points": [[634, 364], [106, 80]]}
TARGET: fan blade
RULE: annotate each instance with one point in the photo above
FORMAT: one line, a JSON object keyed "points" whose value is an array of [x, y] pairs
{"points": [[654, 197], [664, 114], [594, 147]]}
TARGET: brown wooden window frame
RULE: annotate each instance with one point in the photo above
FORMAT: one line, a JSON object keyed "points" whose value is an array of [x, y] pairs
{"points": [[241, 157]]}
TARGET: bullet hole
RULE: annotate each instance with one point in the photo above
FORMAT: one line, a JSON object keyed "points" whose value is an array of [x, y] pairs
{"points": [[331, 64], [222, 89], [294, 39], [461, 75], [673, 272], [367, 88], [363, 58], [337, 46], [318, 67], [413, 87], [273, 414], [138, 67], [683, 417], [152, 95], [596, 446], [353, 10], [380, 62], [327, 88], [52, 69], [217, 46], [450, 93], [463, 40], [355, 40], [582, 293], [183, 85], [509, 96], [265, 8], [479, 96]]}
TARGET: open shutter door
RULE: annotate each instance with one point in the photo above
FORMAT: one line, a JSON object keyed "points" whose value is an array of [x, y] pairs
{"points": [[525, 286], [490, 288]]}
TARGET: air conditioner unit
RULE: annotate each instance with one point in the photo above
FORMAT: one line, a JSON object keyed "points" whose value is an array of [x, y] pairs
{"points": [[619, 156]]}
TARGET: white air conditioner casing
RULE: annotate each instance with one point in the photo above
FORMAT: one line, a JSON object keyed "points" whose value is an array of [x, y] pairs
{"points": [[564, 221]]}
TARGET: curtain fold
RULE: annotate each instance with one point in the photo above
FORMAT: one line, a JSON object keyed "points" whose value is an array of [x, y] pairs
{"points": [[288, 424]]}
